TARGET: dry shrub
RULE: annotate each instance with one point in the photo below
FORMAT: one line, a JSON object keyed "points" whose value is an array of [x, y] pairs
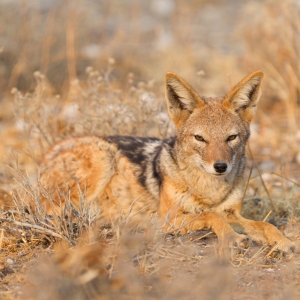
{"points": [[97, 106], [272, 37], [272, 197]]}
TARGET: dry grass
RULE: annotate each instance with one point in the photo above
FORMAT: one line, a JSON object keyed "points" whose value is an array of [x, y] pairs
{"points": [[277, 52], [131, 44]]}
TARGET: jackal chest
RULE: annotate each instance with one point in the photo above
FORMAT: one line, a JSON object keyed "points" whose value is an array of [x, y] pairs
{"points": [[197, 200]]}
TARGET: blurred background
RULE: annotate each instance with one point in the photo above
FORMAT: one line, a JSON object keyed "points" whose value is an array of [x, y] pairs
{"points": [[225, 39], [97, 67]]}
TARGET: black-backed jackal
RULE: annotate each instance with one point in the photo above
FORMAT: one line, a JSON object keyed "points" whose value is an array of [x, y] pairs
{"points": [[194, 180]]}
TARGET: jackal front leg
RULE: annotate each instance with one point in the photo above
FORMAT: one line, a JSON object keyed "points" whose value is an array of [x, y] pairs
{"points": [[183, 223], [262, 232], [267, 233]]}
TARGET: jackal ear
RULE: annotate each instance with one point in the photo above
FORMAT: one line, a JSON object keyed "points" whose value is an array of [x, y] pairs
{"points": [[243, 98], [181, 98]]}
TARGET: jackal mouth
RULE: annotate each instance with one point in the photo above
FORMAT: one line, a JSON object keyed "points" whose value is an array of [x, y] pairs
{"points": [[218, 175]]}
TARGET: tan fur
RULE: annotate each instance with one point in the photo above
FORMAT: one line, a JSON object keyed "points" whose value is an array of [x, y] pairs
{"points": [[90, 164], [195, 180]]}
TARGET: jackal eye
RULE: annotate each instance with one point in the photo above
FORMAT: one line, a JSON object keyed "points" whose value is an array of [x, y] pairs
{"points": [[231, 137], [199, 138]]}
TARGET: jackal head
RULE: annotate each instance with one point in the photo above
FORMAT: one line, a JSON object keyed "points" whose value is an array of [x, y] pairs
{"points": [[212, 132]]}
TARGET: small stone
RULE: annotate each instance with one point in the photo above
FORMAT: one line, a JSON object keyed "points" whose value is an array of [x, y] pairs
{"points": [[23, 253], [111, 61], [200, 73], [88, 69], [14, 90], [37, 74], [10, 261]]}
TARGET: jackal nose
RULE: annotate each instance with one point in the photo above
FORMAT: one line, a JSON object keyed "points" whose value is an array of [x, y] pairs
{"points": [[220, 167]]}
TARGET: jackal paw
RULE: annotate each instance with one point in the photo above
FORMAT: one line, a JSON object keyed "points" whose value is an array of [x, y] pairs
{"points": [[288, 246], [234, 239]]}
